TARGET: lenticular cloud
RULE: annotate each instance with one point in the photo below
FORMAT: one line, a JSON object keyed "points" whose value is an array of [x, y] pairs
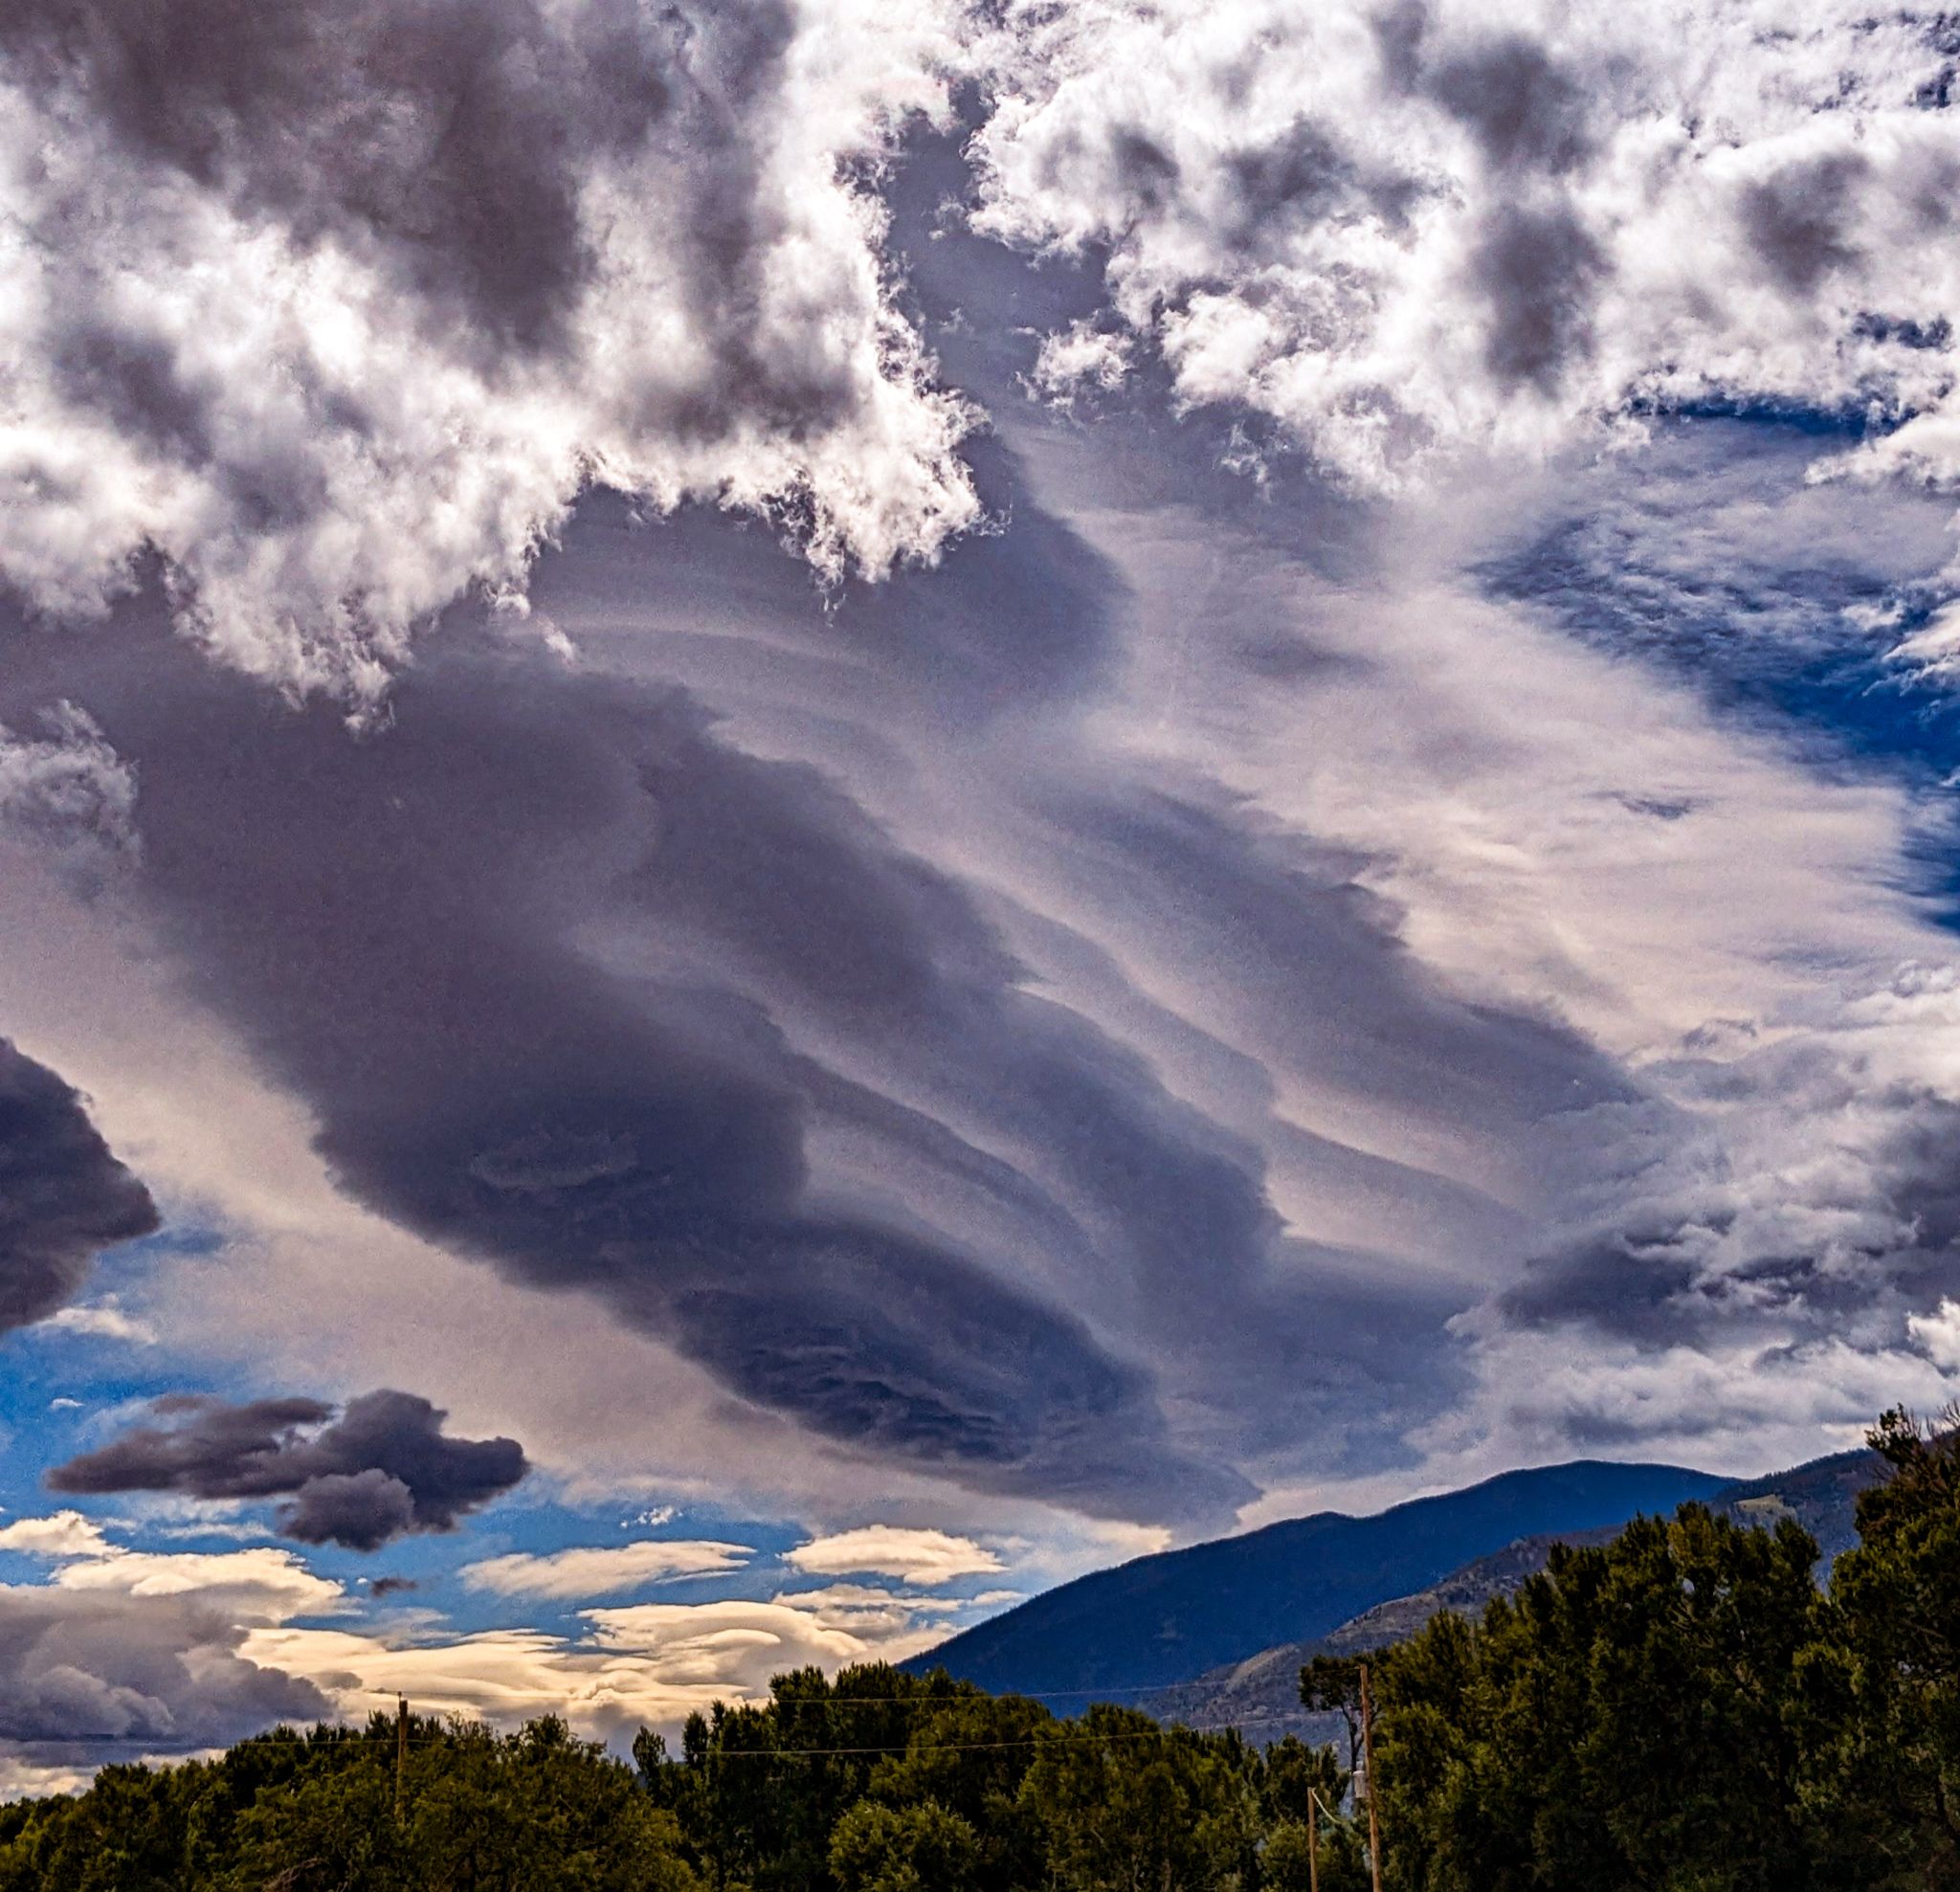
{"points": [[330, 311], [1398, 231]]}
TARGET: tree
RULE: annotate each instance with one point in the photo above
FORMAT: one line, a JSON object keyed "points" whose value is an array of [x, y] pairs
{"points": [[915, 1848], [1635, 1719], [1889, 1787], [1331, 1684], [1125, 1805]]}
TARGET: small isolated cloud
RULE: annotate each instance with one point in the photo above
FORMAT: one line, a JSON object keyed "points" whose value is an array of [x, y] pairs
{"points": [[919, 1556], [382, 1468], [103, 1319], [869, 1609], [63, 1196], [602, 1571], [63, 1534]]}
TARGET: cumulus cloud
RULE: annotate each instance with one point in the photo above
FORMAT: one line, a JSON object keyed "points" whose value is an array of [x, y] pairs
{"points": [[63, 1196], [121, 1652], [327, 316], [1398, 231], [922, 1556], [383, 1468], [602, 1569]]}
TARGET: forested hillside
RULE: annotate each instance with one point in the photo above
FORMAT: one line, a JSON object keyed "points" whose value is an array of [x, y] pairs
{"points": [[1681, 1710], [1259, 1695]]}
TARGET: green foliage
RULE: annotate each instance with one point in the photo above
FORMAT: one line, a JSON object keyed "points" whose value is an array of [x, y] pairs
{"points": [[532, 1812], [915, 1848], [1890, 1783], [1684, 1711]]}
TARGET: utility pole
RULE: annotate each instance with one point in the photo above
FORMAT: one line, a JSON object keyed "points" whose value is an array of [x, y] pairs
{"points": [[1375, 1830], [1313, 1841], [401, 1756]]}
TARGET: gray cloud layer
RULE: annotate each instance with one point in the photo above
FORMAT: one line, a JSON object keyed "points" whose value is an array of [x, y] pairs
{"points": [[384, 1466], [63, 1196], [91, 1676]]}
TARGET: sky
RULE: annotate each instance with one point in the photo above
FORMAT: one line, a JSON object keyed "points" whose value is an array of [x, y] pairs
{"points": [[811, 810]]}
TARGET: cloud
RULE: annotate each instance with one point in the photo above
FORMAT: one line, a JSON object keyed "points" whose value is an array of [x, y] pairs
{"points": [[64, 1197], [69, 789], [602, 1571], [103, 1319], [273, 286], [646, 1138], [1402, 234], [65, 1534], [382, 1468], [645, 1663], [871, 1610], [121, 1652], [922, 1556], [1939, 1334]]}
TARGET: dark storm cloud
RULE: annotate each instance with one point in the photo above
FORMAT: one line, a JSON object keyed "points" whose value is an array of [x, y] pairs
{"points": [[1802, 221], [63, 1196], [1522, 106], [89, 1676], [382, 1468], [1830, 1208]]}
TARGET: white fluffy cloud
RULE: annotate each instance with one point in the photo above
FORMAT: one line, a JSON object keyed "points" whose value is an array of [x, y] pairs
{"points": [[602, 1571], [1398, 231], [921, 1556], [332, 315], [651, 1663]]}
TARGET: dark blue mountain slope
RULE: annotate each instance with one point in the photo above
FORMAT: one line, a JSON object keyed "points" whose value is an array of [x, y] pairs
{"points": [[1171, 1617]]}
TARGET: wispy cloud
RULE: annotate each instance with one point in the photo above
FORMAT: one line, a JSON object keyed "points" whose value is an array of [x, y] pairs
{"points": [[602, 1569]]}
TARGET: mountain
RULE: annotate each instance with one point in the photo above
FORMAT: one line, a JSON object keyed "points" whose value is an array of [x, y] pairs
{"points": [[1174, 1617], [1260, 1693]]}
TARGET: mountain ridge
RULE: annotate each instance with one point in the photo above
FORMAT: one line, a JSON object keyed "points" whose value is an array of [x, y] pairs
{"points": [[1260, 1693], [1174, 1615]]}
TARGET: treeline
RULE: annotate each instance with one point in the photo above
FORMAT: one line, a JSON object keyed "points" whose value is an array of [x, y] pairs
{"points": [[1684, 1711], [874, 1781]]}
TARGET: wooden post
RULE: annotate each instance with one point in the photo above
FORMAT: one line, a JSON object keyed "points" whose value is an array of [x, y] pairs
{"points": [[1313, 1841], [401, 1756], [1375, 1830]]}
